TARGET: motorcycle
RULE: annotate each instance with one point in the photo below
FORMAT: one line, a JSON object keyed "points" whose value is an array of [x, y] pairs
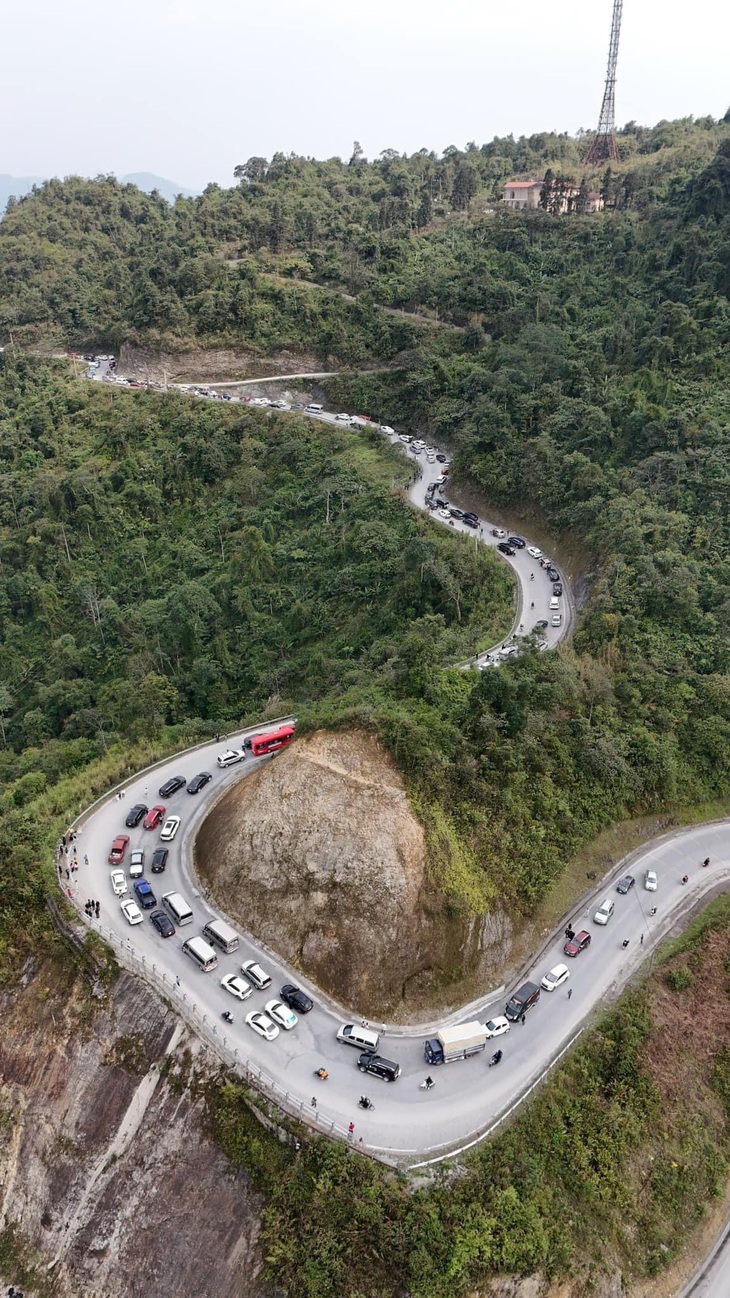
{"points": [[706, 861], [685, 878], [227, 1016], [365, 1103], [321, 1073], [496, 1058]]}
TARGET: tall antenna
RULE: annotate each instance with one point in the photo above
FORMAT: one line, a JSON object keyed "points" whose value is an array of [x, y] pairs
{"points": [[603, 146]]}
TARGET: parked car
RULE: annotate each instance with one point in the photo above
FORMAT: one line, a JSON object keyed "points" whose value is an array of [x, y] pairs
{"points": [[556, 619], [199, 781], [555, 977], [237, 986], [135, 814], [626, 884], [456, 513], [118, 882], [144, 894], [553, 574], [497, 1027], [577, 943], [171, 786], [534, 550], [154, 816], [262, 1024], [651, 881], [604, 912], [118, 849], [342, 419], [499, 532], [256, 974], [504, 548], [517, 541], [441, 457], [471, 522], [163, 923], [136, 865], [296, 998], [541, 625], [282, 1015], [131, 911], [159, 860], [169, 829], [557, 588], [386, 428], [231, 757]]}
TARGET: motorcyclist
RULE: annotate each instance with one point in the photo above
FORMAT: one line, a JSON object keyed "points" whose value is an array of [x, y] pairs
{"points": [[496, 1057], [322, 1074], [227, 1016], [429, 1082], [365, 1103], [706, 861]]}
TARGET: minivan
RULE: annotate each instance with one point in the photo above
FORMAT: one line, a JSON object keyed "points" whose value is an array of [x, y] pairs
{"points": [[177, 908], [523, 1000], [353, 1035], [387, 1069], [604, 912], [222, 935], [203, 954], [313, 409]]}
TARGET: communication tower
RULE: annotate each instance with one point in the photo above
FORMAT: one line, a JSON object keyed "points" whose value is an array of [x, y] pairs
{"points": [[603, 146]]}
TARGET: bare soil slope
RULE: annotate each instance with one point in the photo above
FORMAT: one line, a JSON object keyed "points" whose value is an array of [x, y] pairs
{"points": [[319, 854]]}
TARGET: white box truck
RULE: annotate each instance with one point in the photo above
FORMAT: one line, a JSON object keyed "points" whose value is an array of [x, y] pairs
{"points": [[455, 1043]]}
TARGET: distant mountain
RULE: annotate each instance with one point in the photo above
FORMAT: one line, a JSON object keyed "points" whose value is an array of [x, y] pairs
{"points": [[16, 185], [144, 180]]}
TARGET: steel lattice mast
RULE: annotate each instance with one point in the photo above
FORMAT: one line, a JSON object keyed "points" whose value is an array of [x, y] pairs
{"points": [[603, 146]]}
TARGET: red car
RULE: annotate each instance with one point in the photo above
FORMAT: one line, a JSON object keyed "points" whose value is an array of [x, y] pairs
{"points": [[577, 943], [119, 847], [153, 817]]}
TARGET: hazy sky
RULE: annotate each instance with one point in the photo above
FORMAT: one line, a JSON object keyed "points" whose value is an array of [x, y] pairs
{"points": [[189, 88]]}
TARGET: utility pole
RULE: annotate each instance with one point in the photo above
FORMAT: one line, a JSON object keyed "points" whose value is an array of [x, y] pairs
{"points": [[603, 146]]}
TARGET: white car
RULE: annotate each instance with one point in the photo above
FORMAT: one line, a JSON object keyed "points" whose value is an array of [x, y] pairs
{"points": [[650, 881], [497, 1027], [406, 438], [136, 865], [555, 978], [556, 619], [262, 1024], [386, 428], [281, 1014], [256, 974], [237, 986], [342, 419], [169, 829], [604, 912], [445, 514], [499, 532], [231, 757], [119, 883], [431, 459], [132, 912], [534, 550]]}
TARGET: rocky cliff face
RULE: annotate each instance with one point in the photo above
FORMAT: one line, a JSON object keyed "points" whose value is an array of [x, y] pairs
{"points": [[319, 854], [107, 1179]]}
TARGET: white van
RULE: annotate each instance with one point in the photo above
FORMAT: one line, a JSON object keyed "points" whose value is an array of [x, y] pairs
{"points": [[222, 935], [362, 1038], [177, 908], [203, 954], [313, 409]]}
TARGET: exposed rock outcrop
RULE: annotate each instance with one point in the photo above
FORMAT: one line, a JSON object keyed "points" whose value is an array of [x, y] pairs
{"points": [[320, 855]]}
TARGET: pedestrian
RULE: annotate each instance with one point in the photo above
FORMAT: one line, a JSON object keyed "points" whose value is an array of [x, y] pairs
{"points": [[523, 1020], [145, 792], [68, 873], [86, 858], [653, 910], [119, 797], [124, 793], [642, 940], [351, 1130], [63, 841], [60, 868], [177, 981], [98, 909], [625, 943], [570, 992], [314, 1101], [75, 850]]}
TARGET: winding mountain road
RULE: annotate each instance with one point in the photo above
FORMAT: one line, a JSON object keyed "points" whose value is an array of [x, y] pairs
{"points": [[408, 1127]]}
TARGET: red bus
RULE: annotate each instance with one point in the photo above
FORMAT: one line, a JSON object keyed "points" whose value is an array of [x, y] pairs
{"points": [[260, 745]]}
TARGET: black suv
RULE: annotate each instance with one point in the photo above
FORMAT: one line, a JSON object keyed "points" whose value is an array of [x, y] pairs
{"points": [[171, 786], [504, 548], [199, 781], [135, 814], [296, 999], [164, 926], [557, 588], [553, 574], [471, 521], [159, 860], [379, 1067], [517, 542]]}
